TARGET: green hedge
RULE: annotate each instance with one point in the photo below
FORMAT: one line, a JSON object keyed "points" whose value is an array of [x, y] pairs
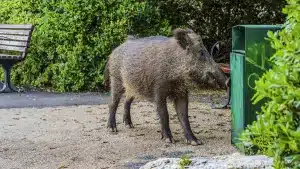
{"points": [[276, 132], [73, 38], [215, 18]]}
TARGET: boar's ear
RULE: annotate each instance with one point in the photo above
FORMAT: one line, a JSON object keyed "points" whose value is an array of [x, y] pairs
{"points": [[181, 35]]}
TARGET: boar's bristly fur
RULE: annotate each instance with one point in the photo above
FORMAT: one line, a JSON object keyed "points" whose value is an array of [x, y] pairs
{"points": [[156, 68]]}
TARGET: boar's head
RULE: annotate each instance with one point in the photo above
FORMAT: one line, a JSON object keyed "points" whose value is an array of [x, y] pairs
{"points": [[203, 71]]}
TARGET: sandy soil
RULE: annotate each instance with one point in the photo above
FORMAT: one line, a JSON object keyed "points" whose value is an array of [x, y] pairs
{"points": [[77, 137]]}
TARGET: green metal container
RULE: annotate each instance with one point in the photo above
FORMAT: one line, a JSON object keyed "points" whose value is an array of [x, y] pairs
{"points": [[248, 60]]}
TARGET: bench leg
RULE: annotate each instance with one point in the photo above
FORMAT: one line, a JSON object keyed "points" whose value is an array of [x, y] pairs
{"points": [[7, 87]]}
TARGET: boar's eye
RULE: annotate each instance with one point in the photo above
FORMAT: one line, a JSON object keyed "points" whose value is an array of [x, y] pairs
{"points": [[202, 55]]}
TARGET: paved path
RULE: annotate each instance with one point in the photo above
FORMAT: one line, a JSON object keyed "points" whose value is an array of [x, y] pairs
{"points": [[51, 99], [47, 99]]}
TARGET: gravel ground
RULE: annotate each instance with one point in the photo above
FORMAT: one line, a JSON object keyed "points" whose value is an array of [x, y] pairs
{"points": [[77, 137]]}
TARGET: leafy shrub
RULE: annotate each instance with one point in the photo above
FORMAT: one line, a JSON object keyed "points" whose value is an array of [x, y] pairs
{"points": [[72, 39], [184, 162], [276, 132], [215, 18]]}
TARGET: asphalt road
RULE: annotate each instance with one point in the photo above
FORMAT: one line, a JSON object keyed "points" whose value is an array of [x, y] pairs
{"points": [[48, 99], [30, 98], [51, 99]]}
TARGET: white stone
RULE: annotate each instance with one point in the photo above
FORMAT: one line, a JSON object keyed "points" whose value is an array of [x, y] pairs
{"points": [[233, 161]]}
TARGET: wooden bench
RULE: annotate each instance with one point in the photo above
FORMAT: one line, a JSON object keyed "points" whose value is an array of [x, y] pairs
{"points": [[14, 44]]}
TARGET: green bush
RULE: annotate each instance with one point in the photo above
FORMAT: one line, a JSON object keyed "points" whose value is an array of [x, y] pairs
{"points": [[215, 18], [72, 39], [276, 132]]}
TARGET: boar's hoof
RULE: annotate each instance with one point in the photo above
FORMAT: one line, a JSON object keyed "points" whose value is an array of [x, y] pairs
{"points": [[128, 122], [129, 126], [169, 140], [193, 142], [113, 128]]}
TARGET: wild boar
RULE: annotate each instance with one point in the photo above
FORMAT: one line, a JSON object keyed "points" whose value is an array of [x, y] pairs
{"points": [[158, 68]]}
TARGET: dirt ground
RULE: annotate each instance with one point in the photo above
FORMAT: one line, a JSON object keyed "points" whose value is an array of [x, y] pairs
{"points": [[77, 137]]}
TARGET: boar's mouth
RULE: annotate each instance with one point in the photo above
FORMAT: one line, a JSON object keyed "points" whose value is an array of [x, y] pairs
{"points": [[209, 81], [221, 79], [213, 81]]}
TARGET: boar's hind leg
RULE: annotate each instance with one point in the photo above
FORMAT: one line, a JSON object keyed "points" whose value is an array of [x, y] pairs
{"points": [[181, 106], [117, 90], [164, 119], [126, 116]]}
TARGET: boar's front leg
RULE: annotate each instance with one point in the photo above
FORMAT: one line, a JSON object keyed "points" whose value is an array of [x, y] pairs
{"points": [[181, 106], [117, 90], [127, 116], [162, 111]]}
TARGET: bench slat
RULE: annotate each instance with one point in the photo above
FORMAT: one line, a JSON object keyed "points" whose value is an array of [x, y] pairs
{"points": [[15, 26], [14, 32], [14, 37], [13, 48], [13, 43], [10, 57]]}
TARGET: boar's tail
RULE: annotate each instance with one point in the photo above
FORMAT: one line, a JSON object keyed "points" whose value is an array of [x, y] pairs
{"points": [[106, 77]]}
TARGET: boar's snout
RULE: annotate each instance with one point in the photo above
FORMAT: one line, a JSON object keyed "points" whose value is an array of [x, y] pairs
{"points": [[220, 78], [211, 80]]}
